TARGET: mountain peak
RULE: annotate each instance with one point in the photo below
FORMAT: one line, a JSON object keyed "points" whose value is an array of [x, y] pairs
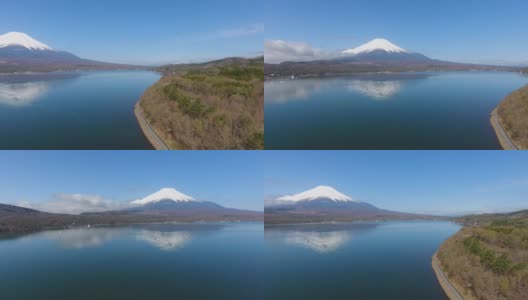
{"points": [[318, 192], [23, 40], [164, 194], [376, 44]]}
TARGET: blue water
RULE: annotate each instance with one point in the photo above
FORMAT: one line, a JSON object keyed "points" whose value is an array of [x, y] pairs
{"points": [[168, 261], [443, 110], [81, 110], [364, 261]]}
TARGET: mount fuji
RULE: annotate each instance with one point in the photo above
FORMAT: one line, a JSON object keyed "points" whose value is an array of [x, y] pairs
{"points": [[382, 50], [20, 52], [326, 204], [378, 55], [165, 205], [171, 201]]}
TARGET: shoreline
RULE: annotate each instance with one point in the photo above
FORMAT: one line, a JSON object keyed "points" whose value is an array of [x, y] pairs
{"points": [[5, 234], [501, 134], [152, 136], [268, 77], [449, 289]]}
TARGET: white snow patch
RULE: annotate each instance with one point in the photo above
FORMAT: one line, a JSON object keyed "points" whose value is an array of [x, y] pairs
{"points": [[376, 44], [317, 193], [164, 194], [21, 39]]}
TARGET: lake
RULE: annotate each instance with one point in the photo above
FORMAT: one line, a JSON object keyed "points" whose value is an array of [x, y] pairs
{"points": [[159, 261], [442, 110], [386, 260], [79, 110]]}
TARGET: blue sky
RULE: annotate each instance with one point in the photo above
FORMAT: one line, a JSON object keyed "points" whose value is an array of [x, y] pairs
{"points": [[437, 182], [230, 178], [142, 32], [490, 31]]}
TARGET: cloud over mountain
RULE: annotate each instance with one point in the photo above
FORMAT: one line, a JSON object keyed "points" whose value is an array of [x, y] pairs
{"points": [[74, 204], [277, 51]]}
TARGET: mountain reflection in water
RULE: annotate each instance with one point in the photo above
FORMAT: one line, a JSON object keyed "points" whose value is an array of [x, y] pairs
{"points": [[21, 90], [376, 89], [375, 86], [321, 238], [165, 240], [163, 236], [19, 94]]}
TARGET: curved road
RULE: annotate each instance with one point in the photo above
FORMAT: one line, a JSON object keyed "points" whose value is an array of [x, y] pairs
{"points": [[503, 137], [449, 289], [148, 131]]}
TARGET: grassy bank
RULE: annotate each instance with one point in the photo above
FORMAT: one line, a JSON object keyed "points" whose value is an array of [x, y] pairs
{"points": [[512, 114], [217, 105], [489, 258]]}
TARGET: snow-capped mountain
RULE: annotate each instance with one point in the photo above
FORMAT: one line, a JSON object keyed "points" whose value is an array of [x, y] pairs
{"points": [[325, 204], [169, 202], [376, 45], [20, 48], [381, 50], [21, 39], [164, 194], [319, 192], [320, 197], [19, 52]]}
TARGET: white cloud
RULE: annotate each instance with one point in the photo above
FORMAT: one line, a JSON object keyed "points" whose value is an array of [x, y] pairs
{"points": [[277, 51], [242, 31], [74, 204]]}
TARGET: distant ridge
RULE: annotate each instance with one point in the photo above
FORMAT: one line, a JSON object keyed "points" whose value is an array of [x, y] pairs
{"points": [[326, 204], [378, 55], [157, 207], [19, 52]]}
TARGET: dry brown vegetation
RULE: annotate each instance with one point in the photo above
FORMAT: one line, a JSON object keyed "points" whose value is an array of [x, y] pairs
{"points": [[218, 105], [513, 116], [488, 261]]}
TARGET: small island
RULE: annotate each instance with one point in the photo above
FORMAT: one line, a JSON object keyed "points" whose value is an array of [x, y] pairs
{"points": [[486, 259], [214, 105]]}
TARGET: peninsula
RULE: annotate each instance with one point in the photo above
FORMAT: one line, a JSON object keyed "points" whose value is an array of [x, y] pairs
{"points": [[510, 120], [486, 259], [214, 105]]}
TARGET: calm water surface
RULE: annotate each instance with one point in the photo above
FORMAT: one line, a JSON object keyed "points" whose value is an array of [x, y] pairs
{"points": [[444, 110], [168, 261], [354, 261], [84, 110]]}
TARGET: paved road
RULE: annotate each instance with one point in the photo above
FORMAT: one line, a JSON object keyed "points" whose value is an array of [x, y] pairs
{"points": [[503, 135], [149, 132], [453, 293]]}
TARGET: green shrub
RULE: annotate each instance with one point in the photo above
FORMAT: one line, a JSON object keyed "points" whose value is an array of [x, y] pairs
{"points": [[192, 107], [256, 141], [242, 73], [502, 264], [473, 245]]}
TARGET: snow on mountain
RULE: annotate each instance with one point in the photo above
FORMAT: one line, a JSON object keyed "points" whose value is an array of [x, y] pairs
{"points": [[376, 44], [320, 192], [22, 40], [164, 194]]}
